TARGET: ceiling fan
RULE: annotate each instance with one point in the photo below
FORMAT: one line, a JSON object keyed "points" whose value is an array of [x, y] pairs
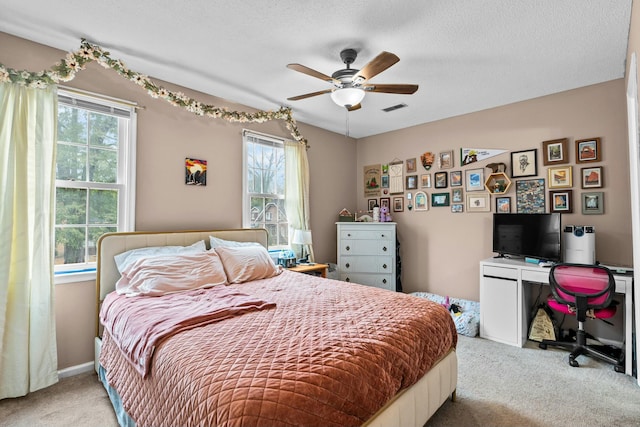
{"points": [[350, 85]]}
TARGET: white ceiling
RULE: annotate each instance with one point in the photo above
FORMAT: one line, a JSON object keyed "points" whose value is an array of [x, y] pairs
{"points": [[466, 55]]}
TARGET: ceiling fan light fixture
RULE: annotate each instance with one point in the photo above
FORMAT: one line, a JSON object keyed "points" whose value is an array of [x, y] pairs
{"points": [[348, 96]]}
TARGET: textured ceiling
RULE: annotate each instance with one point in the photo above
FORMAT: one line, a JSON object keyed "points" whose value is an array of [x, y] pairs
{"points": [[466, 55]]}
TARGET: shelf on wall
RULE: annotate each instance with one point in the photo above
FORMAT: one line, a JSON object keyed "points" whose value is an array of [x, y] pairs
{"points": [[497, 183]]}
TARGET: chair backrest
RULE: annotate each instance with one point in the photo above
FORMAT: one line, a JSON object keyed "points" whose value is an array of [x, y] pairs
{"points": [[584, 286]]}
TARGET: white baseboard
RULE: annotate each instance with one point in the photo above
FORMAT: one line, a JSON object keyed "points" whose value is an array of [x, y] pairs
{"points": [[75, 370]]}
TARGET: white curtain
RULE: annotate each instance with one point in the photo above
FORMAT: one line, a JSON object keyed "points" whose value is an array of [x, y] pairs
{"points": [[28, 126], [297, 188]]}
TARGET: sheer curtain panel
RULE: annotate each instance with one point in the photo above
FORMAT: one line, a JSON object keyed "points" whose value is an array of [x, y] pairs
{"points": [[28, 127], [297, 188]]}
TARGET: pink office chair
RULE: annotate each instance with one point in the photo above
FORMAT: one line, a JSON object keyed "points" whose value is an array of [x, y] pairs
{"points": [[582, 290]]}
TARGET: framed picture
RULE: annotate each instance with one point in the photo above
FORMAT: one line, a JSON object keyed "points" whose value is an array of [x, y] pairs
{"points": [[530, 196], [524, 163], [456, 195], [420, 200], [384, 181], [411, 165], [445, 160], [455, 178], [561, 201], [372, 203], [425, 180], [457, 207], [555, 152], [195, 171], [412, 182], [591, 177], [385, 169], [439, 199], [398, 204], [588, 150], [593, 203], [503, 204], [440, 179], [474, 179], [385, 201], [478, 202], [560, 177]]}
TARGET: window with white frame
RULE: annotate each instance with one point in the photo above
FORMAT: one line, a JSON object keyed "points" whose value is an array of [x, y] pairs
{"points": [[95, 173], [264, 187]]}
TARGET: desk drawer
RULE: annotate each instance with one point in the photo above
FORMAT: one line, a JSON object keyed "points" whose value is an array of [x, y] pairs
{"points": [[501, 272], [541, 276]]}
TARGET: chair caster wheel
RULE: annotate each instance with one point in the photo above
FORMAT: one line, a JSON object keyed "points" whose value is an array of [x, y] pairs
{"points": [[573, 363], [619, 369], [542, 346]]}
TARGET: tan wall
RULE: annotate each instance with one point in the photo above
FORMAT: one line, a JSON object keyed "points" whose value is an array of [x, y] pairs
{"points": [[440, 250], [166, 135]]}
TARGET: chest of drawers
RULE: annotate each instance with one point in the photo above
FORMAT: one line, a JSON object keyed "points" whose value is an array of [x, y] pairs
{"points": [[367, 253]]}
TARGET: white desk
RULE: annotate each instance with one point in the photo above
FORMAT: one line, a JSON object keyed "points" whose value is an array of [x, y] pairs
{"points": [[503, 303]]}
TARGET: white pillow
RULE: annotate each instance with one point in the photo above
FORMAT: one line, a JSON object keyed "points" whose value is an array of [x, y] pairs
{"points": [[216, 243], [246, 263], [165, 274], [125, 259]]}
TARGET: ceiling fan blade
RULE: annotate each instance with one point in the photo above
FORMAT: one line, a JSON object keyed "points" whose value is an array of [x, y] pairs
{"points": [[310, 72], [376, 66], [400, 88], [354, 107], [309, 95]]}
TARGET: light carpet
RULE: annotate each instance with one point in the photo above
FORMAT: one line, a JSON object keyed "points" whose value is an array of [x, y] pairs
{"points": [[498, 385]]}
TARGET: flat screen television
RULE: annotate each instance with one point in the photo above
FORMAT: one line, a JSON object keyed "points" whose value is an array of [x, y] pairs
{"points": [[527, 235]]}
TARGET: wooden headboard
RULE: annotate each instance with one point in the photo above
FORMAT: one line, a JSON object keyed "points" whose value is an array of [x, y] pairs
{"points": [[111, 244]]}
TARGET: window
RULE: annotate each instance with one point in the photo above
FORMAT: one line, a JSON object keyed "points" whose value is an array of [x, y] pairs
{"points": [[95, 172], [264, 186]]}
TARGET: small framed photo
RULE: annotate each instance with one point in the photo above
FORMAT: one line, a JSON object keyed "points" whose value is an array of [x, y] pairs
{"points": [[372, 203], [593, 203], [440, 179], [456, 195], [385, 201], [561, 201], [530, 196], [385, 168], [592, 177], [445, 160], [588, 150], [412, 182], [478, 202], [524, 163], [425, 180], [555, 152], [420, 201], [439, 199], [503, 204], [560, 177], [457, 207], [398, 204], [195, 171], [411, 165], [474, 179], [455, 178], [384, 181]]}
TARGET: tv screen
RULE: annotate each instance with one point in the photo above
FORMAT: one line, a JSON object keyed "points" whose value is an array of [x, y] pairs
{"points": [[527, 235]]}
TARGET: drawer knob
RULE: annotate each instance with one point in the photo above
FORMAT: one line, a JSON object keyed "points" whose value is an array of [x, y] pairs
{"points": [[348, 248], [348, 234], [384, 281], [347, 280], [384, 248], [382, 235], [384, 265], [347, 265]]}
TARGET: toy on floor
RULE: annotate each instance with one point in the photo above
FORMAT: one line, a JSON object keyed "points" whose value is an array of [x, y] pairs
{"points": [[465, 313]]}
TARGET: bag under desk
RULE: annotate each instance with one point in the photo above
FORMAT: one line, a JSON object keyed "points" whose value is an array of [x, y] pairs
{"points": [[504, 305]]}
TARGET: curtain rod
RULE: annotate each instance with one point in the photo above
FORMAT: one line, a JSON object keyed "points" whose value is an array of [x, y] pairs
{"points": [[103, 97]]}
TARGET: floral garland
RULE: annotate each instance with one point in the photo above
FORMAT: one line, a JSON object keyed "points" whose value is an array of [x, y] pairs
{"points": [[65, 70]]}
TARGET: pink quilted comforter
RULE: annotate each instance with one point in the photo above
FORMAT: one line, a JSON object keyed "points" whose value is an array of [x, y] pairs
{"points": [[329, 354]]}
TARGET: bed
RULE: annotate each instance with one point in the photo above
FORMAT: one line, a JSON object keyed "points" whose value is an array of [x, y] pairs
{"points": [[307, 350]]}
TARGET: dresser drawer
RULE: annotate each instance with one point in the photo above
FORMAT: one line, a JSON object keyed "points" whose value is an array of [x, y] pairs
{"points": [[382, 281], [501, 272], [366, 247], [366, 264]]}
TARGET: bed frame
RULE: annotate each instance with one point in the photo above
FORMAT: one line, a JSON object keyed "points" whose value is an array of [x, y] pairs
{"points": [[412, 407]]}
